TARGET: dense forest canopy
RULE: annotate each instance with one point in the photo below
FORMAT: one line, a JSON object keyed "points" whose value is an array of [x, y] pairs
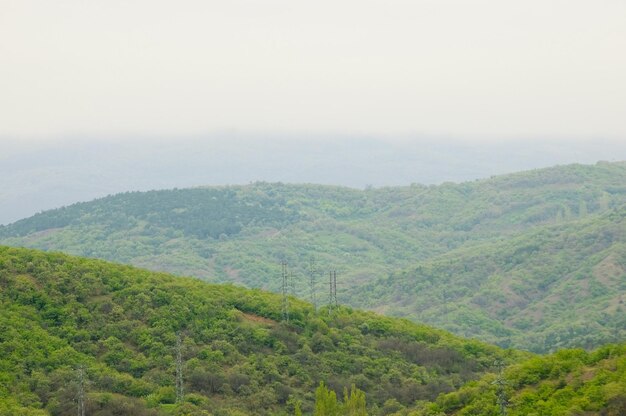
{"points": [[559, 286], [121, 324], [464, 246], [569, 382], [114, 332]]}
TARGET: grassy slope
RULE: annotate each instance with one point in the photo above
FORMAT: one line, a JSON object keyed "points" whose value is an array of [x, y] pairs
{"points": [[240, 234], [58, 312]]}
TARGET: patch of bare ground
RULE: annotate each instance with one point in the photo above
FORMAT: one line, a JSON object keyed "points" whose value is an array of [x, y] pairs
{"points": [[608, 271], [272, 232], [536, 314], [258, 319], [512, 298], [586, 375], [616, 303], [233, 274], [382, 309]]}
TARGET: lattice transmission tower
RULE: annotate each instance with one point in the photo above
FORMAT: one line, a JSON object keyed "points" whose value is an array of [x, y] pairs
{"points": [[81, 394], [285, 292], [332, 294], [500, 384], [312, 275], [180, 393]]}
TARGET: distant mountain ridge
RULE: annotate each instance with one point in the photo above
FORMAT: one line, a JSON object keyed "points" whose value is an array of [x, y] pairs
{"points": [[241, 234], [38, 177]]}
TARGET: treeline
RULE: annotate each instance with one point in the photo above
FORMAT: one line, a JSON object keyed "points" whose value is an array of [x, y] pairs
{"points": [[199, 212]]}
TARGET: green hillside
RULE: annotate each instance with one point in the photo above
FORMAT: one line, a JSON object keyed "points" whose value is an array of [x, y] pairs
{"points": [[241, 234], [567, 383], [120, 324], [556, 287]]}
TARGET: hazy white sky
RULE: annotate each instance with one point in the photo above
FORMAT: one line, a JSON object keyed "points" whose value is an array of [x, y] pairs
{"points": [[468, 69]]}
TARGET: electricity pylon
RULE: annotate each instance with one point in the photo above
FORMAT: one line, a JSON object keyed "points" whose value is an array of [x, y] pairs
{"points": [[80, 396], [312, 274], [285, 290], [332, 298], [500, 384], [179, 369]]}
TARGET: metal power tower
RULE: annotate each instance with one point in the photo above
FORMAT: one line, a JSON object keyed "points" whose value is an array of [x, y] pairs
{"points": [[285, 290], [80, 396], [312, 274], [500, 384], [179, 369], [332, 283], [292, 284]]}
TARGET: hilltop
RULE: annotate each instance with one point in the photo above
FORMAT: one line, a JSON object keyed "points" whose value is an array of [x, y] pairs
{"points": [[377, 239]]}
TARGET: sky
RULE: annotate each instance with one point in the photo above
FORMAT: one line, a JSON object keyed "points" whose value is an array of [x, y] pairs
{"points": [[478, 70], [100, 97]]}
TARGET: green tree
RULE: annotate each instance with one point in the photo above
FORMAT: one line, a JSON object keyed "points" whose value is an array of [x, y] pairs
{"points": [[354, 404], [326, 402]]}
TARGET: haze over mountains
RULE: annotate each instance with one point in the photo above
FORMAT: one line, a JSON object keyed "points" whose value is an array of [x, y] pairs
{"points": [[40, 176], [234, 208], [501, 259]]}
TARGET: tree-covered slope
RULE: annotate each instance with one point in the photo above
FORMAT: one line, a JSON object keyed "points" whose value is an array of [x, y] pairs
{"points": [[241, 234], [567, 383], [120, 324], [560, 286]]}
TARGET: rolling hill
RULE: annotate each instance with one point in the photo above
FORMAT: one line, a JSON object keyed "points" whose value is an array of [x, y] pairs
{"points": [[556, 287], [387, 244], [114, 332], [120, 325]]}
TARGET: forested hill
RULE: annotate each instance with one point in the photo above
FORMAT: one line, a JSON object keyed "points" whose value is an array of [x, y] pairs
{"points": [[555, 287], [569, 382], [67, 322], [59, 314], [241, 234]]}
